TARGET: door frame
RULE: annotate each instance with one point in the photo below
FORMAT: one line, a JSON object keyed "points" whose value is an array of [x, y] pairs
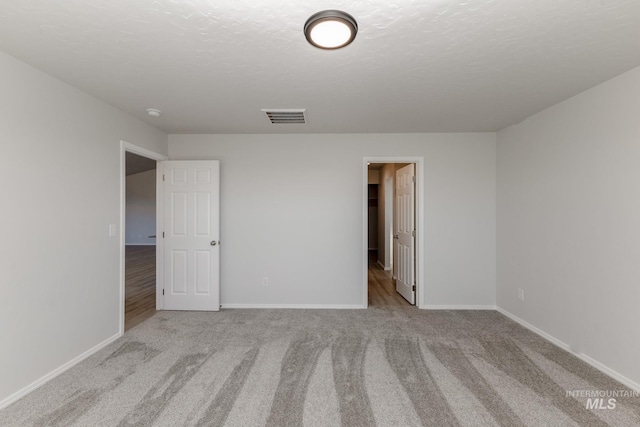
{"points": [[419, 219], [140, 151]]}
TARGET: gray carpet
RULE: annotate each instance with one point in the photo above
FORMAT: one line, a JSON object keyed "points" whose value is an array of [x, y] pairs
{"points": [[381, 366]]}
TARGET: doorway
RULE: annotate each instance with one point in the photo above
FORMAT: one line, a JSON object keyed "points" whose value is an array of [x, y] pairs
{"points": [[393, 245], [140, 239], [138, 230]]}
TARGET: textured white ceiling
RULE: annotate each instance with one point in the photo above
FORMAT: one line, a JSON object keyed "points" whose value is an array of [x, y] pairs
{"points": [[415, 66]]}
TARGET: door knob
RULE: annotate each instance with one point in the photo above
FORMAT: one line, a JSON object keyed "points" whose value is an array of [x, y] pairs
{"points": [[213, 243]]}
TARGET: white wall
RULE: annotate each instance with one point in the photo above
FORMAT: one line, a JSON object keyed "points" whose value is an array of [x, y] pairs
{"points": [[292, 211], [60, 179], [569, 222], [141, 208]]}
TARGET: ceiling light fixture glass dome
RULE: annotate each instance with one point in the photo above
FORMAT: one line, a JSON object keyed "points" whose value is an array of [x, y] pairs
{"points": [[330, 29]]}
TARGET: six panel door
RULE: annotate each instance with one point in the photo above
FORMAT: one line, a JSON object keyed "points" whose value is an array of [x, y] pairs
{"points": [[191, 235], [405, 242]]}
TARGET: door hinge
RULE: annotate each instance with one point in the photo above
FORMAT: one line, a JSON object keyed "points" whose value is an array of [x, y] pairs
{"points": [[413, 233], [163, 177], [163, 234], [163, 291], [414, 288], [413, 179]]}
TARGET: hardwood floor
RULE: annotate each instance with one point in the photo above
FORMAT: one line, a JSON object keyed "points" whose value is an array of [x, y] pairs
{"points": [[140, 284], [382, 292]]}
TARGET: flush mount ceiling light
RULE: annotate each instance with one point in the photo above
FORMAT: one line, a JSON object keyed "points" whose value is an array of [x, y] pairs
{"points": [[154, 112], [330, 29]]}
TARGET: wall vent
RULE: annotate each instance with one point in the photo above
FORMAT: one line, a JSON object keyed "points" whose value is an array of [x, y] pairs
{"points": [[286, 117]]}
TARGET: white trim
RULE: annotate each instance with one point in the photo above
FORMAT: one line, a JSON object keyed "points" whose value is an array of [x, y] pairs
{"points": [[131, 148], [383, 266], [297, 306], [532, 328], [159, 238], [564, 346], [458, 307], [608, 371], [51, 375], [141, 151], [419, 206]]}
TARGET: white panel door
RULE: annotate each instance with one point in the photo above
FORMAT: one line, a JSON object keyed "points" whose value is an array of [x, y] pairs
{"points": [[405, 232], [191, 236]]}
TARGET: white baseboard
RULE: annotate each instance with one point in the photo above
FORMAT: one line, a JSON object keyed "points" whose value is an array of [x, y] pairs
{"points": [[532, 328], [599, 366], [385, 268], [297, 306], [458, 307], [353, 307], [51, 375]]}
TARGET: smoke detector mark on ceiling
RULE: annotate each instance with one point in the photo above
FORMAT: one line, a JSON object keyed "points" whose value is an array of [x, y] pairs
{"points": [[286, 117]]}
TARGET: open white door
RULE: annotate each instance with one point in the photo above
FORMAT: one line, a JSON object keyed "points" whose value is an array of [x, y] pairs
{"points": [[405, 232], [191, 237]]}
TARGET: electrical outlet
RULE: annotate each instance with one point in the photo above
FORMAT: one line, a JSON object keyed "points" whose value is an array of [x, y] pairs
{"points": [[521, 294], [265, 281]]}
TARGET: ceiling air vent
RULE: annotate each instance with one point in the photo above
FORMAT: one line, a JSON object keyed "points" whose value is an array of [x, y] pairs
{"points": [[286, 117]]}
